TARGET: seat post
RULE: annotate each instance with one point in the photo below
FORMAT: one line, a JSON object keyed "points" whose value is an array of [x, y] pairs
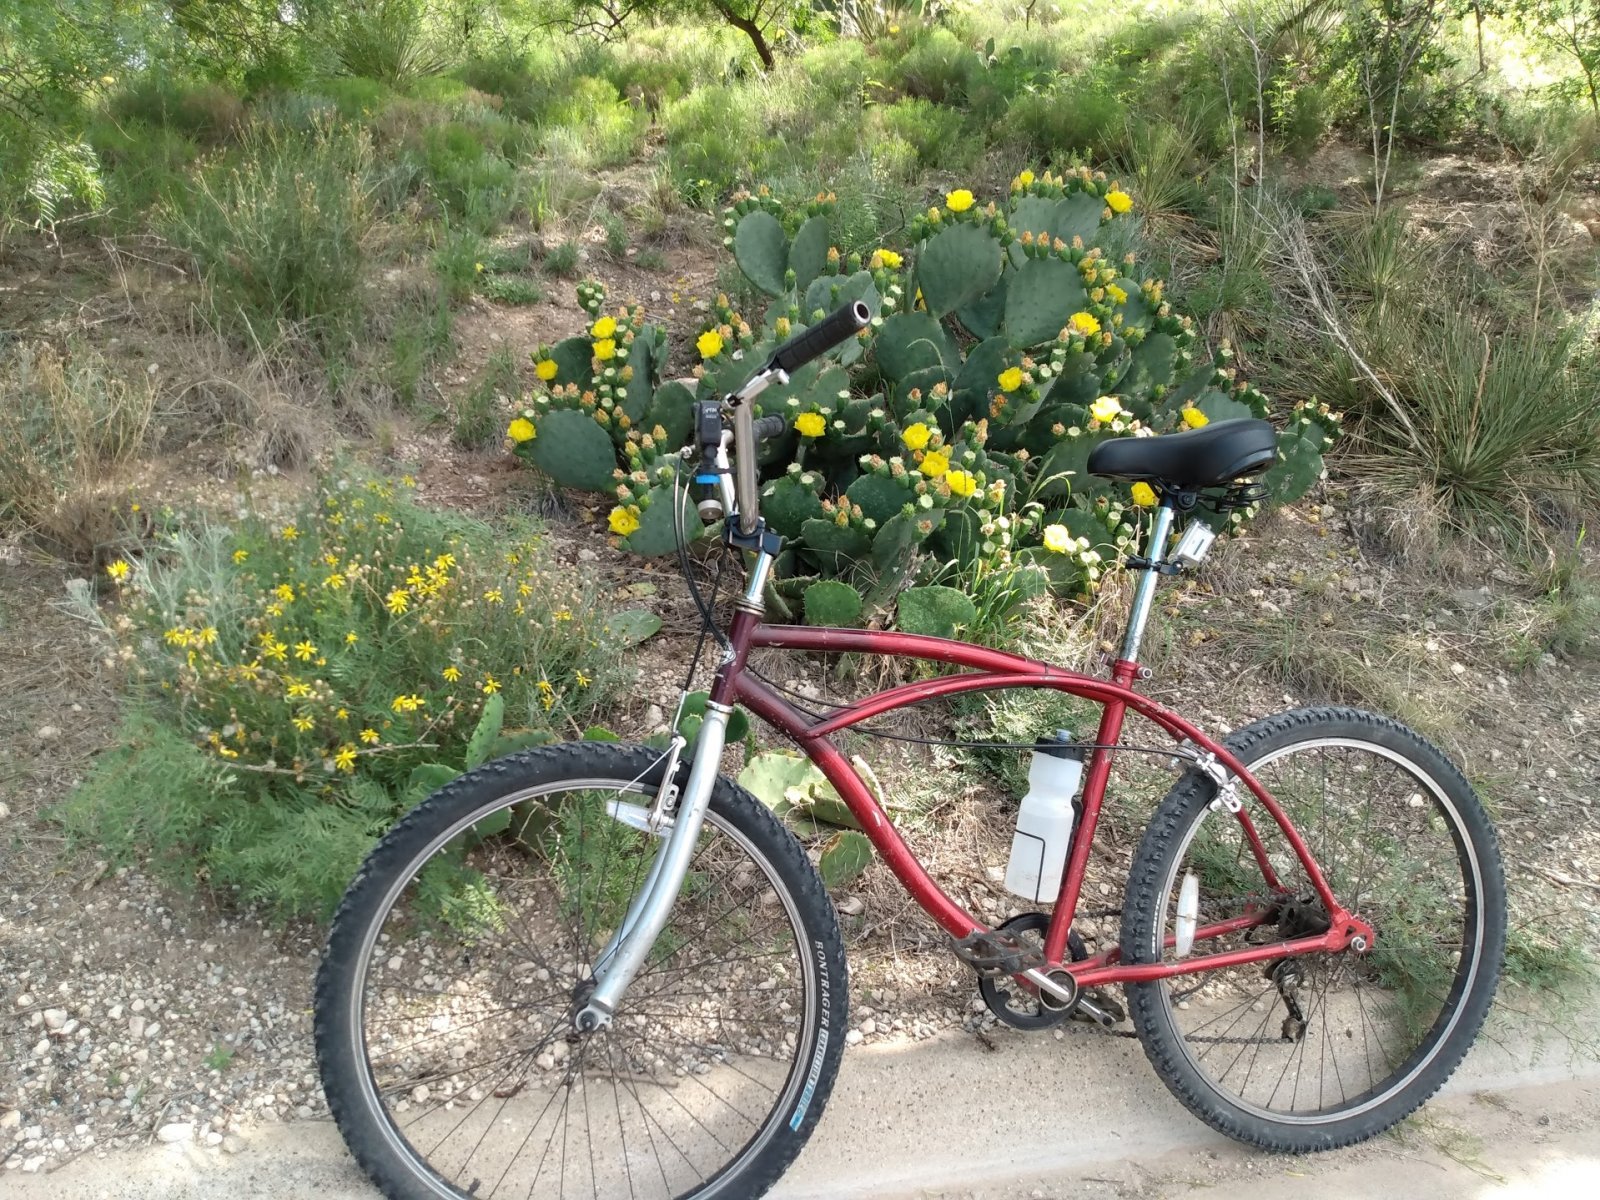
{"points": [[1145, 596]]}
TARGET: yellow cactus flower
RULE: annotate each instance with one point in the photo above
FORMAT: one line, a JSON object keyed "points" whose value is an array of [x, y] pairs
{"points": [[521, 430], [934, 464], [605, 349], [1056, 539], [709, 344], [545, 369], [1010, 379], [1118, 295], [883, 257], [622, 521], [1107, 408], [1194, 418], [603, 328], [811, 424], [1084, 323], [1118, 201], [959, 200], [1143, 494], [1025, 178], [915, 436], [118, 570], [961, 483]]}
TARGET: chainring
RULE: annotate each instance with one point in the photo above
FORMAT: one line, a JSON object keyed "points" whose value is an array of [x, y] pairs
{"points": [[1014, 1004]]}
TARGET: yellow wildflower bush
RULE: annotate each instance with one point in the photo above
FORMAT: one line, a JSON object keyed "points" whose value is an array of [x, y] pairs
{"points": [[279, 723]]}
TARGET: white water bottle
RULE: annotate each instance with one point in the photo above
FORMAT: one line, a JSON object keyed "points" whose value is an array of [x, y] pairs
{"points": [[1044, 822]]}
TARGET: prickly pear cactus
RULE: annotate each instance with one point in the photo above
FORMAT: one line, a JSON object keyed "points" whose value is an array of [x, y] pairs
{"points": [[935, 469]]}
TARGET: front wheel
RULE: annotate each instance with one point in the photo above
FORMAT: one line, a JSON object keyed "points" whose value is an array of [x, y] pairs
{"points": [[445, 1001], [1320, 1050]]}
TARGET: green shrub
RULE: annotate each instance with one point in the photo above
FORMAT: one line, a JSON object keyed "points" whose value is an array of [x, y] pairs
{"points": [[477, 415], [593, 126], [389, 40], [354, 96], [292, 684], [1076, 115], [562, 259], [936, 66], [470, 182], [717, 135], [419, 334], [511, 289], [949, 441], [935, 132], [278, 236], [206, 112]]}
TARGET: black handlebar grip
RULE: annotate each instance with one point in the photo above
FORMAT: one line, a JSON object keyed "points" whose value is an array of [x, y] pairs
{"points": [[843, 323], [769, 427]]}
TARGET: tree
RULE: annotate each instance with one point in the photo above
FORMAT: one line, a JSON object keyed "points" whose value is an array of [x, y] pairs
{"points": [[759, 20], [1573, 28]]}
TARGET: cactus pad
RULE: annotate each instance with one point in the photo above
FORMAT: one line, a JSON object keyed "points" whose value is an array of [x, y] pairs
{"points": [[761, 250], [1042, 294], [957, 266], [573, 450], [830, 602], [937, 611]]}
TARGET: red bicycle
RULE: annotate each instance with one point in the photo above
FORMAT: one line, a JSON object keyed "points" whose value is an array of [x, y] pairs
{"points": [[602, 969]]}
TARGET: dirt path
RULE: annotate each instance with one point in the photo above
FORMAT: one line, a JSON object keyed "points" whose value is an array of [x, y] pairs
{"points": [[941, 1120]]}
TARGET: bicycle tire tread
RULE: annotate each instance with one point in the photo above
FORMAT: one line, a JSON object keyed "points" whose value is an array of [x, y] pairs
{"points": [[479, 788], [1142, 900]]}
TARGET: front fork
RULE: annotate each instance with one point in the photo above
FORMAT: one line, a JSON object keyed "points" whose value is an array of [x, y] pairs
{"points": [[647, 915]]}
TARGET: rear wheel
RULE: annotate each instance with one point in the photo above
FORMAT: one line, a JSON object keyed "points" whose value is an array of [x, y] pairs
{"points": [[460, 953], [1320, 1050]]}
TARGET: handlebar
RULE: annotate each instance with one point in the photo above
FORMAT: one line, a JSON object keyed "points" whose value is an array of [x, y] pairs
{"points": [[843, 323], [839, 326]]}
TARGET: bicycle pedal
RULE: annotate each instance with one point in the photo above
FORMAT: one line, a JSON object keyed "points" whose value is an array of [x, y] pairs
{"points": [[997, 952]]}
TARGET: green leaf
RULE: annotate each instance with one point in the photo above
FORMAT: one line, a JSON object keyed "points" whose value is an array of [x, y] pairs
{"points": [[809, 253], [937, 611], [634, 625], [488, 730], [761, 250], [832, 602], [844, 857], [599, 733], [427, 778], [957, 266]]}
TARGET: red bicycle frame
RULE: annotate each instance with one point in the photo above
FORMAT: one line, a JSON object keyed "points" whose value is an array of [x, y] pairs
{"points": [[988, 670]]}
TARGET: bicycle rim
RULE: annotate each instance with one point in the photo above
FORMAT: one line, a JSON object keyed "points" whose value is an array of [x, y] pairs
{"points": [[1330, 1036], [480, 955]]}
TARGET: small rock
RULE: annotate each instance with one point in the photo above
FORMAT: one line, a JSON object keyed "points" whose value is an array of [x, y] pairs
{"points": [[11, 1119], [31, 1165], [654, 717], [232, 1144], [868, 1028], [136, 1026], [213, 1138], [853, 1038], [49, 733], [852, 906], [178, 1131], [54, 1018]]}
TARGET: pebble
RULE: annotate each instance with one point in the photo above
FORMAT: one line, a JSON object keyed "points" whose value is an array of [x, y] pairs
{"points": [[213, 1138], [54, 1018], [853, 1038], [232, 1144], [136, 1026], [49, 733], [11, 1119], [178, 1131]]}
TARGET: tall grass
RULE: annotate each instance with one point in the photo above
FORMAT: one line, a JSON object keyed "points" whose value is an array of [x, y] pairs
{"points": [[278, 237]]}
